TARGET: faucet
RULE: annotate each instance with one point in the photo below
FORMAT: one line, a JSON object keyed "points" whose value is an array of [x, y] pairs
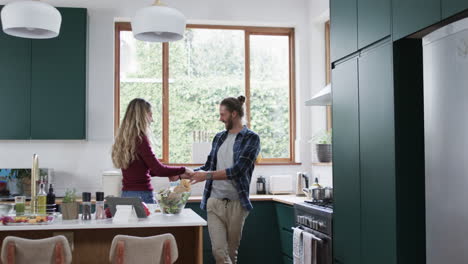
{"points": [[34, 177]]}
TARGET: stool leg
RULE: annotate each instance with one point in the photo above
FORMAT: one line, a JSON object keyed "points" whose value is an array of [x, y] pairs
{"points": [[11, 253], [59, 259], [167, 252], [120, 252]]}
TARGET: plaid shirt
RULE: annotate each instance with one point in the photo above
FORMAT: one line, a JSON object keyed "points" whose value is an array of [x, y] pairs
{"points": [[246, 149]]}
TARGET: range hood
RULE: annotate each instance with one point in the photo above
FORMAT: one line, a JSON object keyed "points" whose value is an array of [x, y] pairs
{"points": [[322, 98]]}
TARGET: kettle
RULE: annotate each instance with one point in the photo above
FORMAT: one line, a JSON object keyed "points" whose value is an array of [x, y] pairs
{"points": [[302, 181], [315, 192]]}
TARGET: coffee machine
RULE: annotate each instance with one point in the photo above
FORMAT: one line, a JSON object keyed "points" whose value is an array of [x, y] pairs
{"points": [[302, 181]]}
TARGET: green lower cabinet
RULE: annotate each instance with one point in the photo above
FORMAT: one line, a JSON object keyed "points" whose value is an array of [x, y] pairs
{"points": [[452, 7], [287, 260], [260, 238]]}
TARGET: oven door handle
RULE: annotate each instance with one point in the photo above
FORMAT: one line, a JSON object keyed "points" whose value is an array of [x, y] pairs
{"points": [[313, 236]]}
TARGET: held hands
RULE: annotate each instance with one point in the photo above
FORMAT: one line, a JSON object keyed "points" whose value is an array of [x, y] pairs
{"points": [[198, 176], [187, 174]]}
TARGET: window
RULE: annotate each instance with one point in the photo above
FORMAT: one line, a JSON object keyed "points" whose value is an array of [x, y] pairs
{"points": [[186, 80]]}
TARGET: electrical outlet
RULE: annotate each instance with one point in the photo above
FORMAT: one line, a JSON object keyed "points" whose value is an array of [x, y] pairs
{"points": [[68, 235]]}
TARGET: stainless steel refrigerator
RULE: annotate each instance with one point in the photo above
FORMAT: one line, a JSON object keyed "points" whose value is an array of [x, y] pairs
{"points": [[446, 143]]}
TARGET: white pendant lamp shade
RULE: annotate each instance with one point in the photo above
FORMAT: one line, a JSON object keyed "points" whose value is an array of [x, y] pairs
{"points": [[31, 19], [158, 24]]}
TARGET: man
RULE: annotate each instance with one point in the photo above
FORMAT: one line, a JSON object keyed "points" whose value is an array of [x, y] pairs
{"points": [[228, 172]]}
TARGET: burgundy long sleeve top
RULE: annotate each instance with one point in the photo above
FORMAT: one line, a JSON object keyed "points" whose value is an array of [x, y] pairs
{"points": [[137, 177]]}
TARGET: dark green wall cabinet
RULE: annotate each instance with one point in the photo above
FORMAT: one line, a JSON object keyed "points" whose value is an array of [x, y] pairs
{"points": [[43, 91], [452, 7], [374, 21], [377, 156], [412, 16], [343, 28], [15, 77], [346, 219]]}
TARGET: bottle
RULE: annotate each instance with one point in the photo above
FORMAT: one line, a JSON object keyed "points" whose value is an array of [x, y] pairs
{"points": [[261, 185], [100, 212], [41, 200], [86, 206], [51, 200]]}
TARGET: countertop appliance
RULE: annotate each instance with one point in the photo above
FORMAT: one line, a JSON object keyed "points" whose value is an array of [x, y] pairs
{"points": [[280, 184], [316, 218], [302, 181]]}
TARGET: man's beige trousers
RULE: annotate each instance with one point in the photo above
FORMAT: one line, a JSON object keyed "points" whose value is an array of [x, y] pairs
{"points": [[225, 222]]}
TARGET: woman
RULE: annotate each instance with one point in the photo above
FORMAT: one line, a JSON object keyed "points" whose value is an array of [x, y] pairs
{"points": [[132, 153]]}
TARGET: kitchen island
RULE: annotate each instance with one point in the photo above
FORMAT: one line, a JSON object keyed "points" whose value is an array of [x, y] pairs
{"points": [[91, 240]]}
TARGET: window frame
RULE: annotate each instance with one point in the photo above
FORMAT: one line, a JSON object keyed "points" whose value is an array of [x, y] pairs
{"points": [[248, 31]]}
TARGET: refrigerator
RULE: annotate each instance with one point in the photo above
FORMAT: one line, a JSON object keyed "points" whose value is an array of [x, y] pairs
{"points": [[445, 53]]}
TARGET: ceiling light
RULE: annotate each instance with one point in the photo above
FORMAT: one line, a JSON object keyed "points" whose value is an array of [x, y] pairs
{"points": [[158, 23], [31, 19]]}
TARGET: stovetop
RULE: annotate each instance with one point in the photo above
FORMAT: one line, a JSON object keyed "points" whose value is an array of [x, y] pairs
{"points": [[325, 204], [314, 215]]}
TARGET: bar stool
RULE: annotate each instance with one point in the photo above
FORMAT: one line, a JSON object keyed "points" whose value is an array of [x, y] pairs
{"points": [[51, 250], [160, 249]]}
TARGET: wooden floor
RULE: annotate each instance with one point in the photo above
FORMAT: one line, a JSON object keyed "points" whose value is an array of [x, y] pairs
{"points": [[93, 245]]}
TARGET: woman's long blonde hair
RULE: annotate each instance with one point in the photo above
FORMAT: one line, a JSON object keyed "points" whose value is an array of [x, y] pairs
{"points": [[135, 125]]}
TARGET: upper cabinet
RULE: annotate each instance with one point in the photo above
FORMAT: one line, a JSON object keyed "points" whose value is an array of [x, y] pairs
{"points": [[343, 28], [374, 21], [15, 76], [451, 7], [412, 16], [58, 91], [43, 82]]}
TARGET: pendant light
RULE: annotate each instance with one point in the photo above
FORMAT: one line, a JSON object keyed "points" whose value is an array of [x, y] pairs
{"points": [[158, 23], [31, 19]]}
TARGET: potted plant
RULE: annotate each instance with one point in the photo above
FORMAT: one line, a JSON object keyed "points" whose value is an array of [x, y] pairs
{"points": [[323, 141], [69, 206]]}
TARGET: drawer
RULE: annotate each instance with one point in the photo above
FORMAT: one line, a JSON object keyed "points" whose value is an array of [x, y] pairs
{"points": [[287, 260], [286, 243], [285, 216]]}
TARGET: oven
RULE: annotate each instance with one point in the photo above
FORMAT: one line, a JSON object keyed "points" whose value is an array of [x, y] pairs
{"points": [[316, 220]]}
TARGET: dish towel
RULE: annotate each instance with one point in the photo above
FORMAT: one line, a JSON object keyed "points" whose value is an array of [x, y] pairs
{"points": [[309, 252], [297, 246]]}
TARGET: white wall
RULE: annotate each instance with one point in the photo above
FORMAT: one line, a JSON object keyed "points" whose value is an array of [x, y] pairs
{"points": [[80, 163]]}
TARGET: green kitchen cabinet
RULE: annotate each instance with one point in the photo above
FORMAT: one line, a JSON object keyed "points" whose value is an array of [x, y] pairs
{"points": [[411, 16], [343, 28], [346, 178], [260, 238], [374, 21], [15, 77], [285, 217], [43, 91], [58, 83], [452, 7], [377, 156]]}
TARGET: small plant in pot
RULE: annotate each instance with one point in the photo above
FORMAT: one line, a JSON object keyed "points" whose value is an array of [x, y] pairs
{"points": [[69, 206], [323, 147]]}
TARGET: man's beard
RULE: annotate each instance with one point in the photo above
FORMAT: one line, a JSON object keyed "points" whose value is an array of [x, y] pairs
{"points": [[229, 124]]}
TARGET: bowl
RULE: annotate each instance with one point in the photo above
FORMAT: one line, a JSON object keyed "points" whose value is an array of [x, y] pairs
{"points": [[5, 208], [171, 203]]}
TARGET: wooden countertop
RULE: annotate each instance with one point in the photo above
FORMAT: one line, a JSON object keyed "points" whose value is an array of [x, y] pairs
{"points": [[289, 199]]}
